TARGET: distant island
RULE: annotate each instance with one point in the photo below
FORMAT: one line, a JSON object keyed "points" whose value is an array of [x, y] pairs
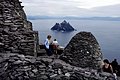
{"points": [[63, 27]]}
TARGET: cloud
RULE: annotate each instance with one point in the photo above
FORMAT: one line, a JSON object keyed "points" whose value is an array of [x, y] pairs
{"points": [[112, 10], [96, 3], [72, 7]]}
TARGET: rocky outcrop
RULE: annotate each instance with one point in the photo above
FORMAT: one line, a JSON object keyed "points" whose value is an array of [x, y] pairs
{"points": [[64, 27], [20, 67], [83, 50], [16, 34]]}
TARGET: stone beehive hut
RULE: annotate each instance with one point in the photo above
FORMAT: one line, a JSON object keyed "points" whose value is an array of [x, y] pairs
{"points": [[16, 34], [84, 51]]}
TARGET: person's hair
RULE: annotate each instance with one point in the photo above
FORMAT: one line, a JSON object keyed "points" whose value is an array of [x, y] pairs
{"points": [[115, 60], [54, 39], [49, 36], [106, 61]]}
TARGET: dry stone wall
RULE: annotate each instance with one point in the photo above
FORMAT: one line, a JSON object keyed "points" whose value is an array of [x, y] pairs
{"points": [[20, 67], [16, 34], [84, 51]]}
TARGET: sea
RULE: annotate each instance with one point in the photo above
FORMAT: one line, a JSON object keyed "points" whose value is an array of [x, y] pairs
{"points": [[107, 34]]}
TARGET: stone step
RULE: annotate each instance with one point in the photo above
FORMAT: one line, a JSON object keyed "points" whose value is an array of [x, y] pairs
{"points": [[41, 52]]}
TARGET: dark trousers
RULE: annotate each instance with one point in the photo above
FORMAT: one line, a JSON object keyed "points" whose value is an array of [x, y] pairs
{"points": [[49, 51]]}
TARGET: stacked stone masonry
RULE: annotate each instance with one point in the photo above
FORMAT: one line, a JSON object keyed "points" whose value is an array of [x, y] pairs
{"points": [[16, 33], [20, 67], [83, 50]]}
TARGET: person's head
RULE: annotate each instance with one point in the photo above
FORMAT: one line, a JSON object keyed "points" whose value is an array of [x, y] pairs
{"points": [[49, 37], [106, 61], [55, 40], [115, 60]]}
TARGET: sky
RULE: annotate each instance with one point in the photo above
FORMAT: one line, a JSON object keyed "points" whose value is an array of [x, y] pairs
{"points": [[81, 8]]}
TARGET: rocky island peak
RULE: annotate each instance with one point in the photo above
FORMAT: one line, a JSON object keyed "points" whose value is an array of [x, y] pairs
{"points": [[64, 27]]}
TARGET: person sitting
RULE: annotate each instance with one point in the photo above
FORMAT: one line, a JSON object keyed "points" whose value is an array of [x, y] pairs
{"points": [[47, 45], [55, 45], [107, 67]]}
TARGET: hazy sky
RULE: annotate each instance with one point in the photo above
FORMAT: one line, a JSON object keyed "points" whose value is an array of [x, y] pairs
{"points": [[81, 8]]}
